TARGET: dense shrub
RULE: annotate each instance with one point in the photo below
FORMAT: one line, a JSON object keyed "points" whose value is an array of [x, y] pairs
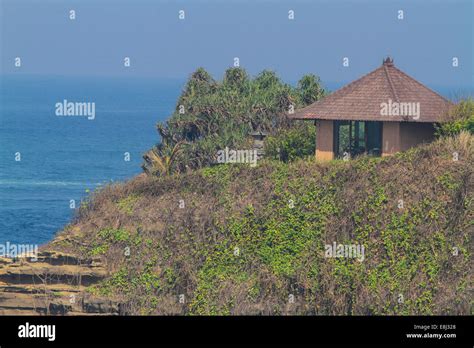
{"points": [[211, 115], [244, 239], [294, 142], [460, 118]]}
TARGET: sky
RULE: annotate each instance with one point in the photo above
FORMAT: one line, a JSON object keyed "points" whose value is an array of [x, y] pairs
{"points": [[258, 32]]}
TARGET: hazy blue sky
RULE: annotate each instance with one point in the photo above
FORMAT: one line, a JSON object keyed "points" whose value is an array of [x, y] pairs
{"points": [[258, 32]]}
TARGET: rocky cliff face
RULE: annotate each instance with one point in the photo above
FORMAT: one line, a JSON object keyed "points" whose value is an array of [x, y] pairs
{"points": [[52, 284]]}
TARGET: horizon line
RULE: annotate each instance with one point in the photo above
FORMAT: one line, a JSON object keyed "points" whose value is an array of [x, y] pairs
{"points": [[142, 76]]}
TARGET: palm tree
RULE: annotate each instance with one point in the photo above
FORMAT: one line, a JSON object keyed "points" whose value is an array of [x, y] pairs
{"points": [[160, 161]]}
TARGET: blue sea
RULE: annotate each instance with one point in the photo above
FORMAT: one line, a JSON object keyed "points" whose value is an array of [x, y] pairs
{"points": [[62, 157]]}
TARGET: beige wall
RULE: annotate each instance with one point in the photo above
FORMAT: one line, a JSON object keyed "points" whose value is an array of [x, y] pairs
{"points": [[390, 138], [324, 140], [412, 134], [396, 136], [400, 136]]}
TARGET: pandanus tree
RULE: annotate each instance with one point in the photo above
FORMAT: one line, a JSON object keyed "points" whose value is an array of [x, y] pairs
{"points": [[211, 115], [309, 89]]}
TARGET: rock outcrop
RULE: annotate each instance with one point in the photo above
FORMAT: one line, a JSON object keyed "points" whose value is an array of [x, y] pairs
{"points": [[53, 283]]}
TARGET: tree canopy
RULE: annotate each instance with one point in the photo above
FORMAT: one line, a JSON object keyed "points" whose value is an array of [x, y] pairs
{"points": [[211, 115]]}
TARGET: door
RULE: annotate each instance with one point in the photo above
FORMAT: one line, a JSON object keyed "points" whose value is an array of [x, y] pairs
{"points": [[357, 137]]}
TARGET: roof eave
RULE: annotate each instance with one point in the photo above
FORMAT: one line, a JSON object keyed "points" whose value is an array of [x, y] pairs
{"points": [[365, 118]]}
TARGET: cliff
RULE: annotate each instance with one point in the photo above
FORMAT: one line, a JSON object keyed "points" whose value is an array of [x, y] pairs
{"points": [[232, 239]]}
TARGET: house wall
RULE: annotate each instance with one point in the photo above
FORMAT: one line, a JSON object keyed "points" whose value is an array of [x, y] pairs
{"points": [[412, 134], [396, 136], [390, 138], [324, 140]]}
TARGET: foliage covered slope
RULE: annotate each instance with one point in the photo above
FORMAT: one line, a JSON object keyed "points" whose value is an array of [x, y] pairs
{"points": [[232, 239]]}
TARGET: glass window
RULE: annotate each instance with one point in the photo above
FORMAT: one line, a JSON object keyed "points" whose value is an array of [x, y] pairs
{"points": [[357, 137]]}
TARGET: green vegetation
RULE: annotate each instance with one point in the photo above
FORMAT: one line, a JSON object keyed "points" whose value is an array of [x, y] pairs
{"points": [[248, 238], [461, 118], [232, 239], [212, 115], [161, 161], [127, 204], [290, 144]]}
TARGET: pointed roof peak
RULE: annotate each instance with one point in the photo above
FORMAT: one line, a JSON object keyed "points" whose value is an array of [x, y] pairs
{"points": [[388, 61], [361, 99]]}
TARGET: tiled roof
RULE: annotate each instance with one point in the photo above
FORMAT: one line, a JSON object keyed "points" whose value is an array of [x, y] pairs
{"points": [[362, 99]]}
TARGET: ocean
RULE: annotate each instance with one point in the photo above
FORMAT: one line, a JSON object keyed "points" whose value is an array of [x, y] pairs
{"points": [[63, 157]]}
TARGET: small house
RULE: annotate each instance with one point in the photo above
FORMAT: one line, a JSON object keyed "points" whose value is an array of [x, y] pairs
{"points": [[379, 114]]}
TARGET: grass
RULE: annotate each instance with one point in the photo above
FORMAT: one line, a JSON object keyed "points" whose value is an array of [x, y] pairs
{"points": [[279, 217]]}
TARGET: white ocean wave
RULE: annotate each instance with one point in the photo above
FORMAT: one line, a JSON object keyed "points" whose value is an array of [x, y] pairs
{"points": [[9, 182]]}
